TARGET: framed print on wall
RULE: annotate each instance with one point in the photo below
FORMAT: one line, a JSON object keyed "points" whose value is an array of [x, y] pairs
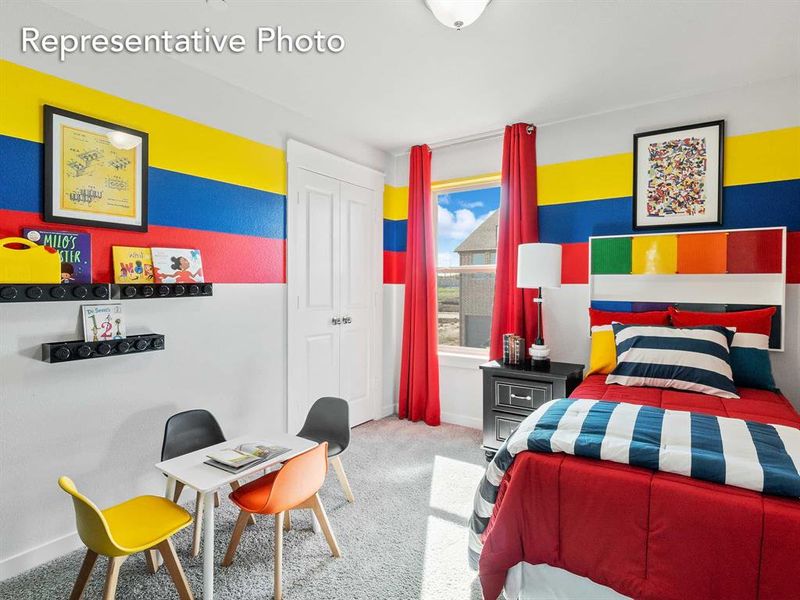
{"points": [[95, 172], [677, 176]]}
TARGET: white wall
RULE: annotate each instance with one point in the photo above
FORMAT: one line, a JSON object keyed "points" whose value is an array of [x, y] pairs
{"points": [[759, 107]]}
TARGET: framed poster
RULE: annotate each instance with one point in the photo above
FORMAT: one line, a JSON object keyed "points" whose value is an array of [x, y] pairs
{"points": [[95, 172], [677, 176]]}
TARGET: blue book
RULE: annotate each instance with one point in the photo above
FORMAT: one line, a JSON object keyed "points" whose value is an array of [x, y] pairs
{"points": [[75, 250]]}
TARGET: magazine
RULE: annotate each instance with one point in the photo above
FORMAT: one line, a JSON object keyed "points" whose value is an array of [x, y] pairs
{"points": [[234, 460]]}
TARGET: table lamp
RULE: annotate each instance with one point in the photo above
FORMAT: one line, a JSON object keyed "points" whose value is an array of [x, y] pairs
{"points": [[539, 266]]}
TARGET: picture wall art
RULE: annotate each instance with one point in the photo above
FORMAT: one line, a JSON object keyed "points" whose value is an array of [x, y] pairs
{"points": [[95, 172], [677, 176]]}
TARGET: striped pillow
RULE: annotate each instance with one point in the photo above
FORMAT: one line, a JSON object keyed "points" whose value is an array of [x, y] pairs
{"points": [[695, 359]]}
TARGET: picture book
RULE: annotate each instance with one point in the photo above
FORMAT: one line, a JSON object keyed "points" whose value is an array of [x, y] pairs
{"points": [[103, 322], [132, 265], [74, 249], [177, 265]]}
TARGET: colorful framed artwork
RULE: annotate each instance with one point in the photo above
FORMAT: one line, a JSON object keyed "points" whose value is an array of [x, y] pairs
{"points": [[95, 172], [677, 176]]}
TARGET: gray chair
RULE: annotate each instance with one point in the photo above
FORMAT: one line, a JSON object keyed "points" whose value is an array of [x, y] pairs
{"points": [[329, 421]]}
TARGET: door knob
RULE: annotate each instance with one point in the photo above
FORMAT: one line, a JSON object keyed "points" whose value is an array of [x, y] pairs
{"points": [[336, 321], [347, 320]]}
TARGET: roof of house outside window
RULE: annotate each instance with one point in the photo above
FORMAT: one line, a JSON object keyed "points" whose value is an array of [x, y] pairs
{"points": [[484, 238]]}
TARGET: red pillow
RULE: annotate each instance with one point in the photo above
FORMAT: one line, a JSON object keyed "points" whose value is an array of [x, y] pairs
{"points": [[606, 317], [745, 321]]}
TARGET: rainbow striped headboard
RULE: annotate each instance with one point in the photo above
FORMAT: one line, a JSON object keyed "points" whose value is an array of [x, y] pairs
{"points": [[715, 271]]}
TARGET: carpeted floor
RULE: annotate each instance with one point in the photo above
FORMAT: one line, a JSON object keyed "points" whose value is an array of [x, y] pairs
{"points": [[404, 538]]}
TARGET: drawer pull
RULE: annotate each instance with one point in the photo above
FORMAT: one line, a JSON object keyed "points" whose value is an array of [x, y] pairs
{"points": [[521, 397]]}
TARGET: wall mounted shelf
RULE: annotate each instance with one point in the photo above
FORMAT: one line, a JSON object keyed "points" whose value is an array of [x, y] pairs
{"points": [[162, 290], [53, 292], [59, 352]]}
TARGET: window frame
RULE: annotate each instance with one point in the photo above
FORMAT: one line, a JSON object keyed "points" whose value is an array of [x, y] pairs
{"points": [[450, 187]]}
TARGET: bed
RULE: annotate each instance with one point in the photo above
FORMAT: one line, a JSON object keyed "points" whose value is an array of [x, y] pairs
{"points": [[608, 530]]}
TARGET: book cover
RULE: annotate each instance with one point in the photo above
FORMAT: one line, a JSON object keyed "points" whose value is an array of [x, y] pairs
{"points": [[74, 249], [132, 265], [177, 265], [103, 322]]}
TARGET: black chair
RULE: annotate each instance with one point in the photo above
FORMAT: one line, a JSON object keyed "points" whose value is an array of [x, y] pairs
{"points": [[329, 421], [186, 432]]}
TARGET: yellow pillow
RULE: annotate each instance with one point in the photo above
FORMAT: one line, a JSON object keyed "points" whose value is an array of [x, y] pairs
{"points": [[604, 350]]}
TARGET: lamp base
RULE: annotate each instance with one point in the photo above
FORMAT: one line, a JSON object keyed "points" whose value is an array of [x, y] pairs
{"points": [[540, 356]]}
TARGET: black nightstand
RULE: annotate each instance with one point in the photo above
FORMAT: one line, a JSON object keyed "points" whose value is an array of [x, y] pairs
{"points": [[512, 392]]}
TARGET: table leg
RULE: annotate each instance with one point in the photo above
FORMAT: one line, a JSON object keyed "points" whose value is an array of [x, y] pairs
{"points": [[208, 546], [314, 523]]}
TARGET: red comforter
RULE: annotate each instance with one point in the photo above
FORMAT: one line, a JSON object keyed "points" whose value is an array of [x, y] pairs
{"points": [[646, 534]]}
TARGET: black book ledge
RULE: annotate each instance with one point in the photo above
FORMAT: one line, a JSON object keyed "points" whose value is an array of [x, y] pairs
{"points": [[81, 292], [59, 352]]}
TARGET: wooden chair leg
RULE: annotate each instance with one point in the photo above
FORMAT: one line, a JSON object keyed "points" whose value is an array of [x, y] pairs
{"points": [[178, 490], [216, 499], [278, 554], [112, 575], [287, 521], [83, 575], [198, 524], [151, 556], [322, 517], [175, 570], [336, 461], [235, 486], [241, 523]]}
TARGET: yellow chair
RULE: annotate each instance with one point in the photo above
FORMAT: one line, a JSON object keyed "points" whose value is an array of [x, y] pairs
{"points": [[144, 523]]}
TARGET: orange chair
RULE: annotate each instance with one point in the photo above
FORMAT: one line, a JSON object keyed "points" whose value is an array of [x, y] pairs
{"points": [[294, 486]]}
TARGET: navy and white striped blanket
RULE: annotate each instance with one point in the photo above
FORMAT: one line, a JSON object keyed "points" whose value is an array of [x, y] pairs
{"points": [[746, 454]]}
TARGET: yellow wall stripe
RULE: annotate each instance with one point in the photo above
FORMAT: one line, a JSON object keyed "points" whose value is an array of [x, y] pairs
{"points": [[176, 144], [764, 156], [395, 203]]}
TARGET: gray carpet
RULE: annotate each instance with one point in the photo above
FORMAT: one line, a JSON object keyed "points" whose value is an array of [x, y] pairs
{"points": [[405, 536]]}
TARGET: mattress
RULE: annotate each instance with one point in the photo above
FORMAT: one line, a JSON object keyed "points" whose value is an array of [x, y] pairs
{"points": [[645, 534]]}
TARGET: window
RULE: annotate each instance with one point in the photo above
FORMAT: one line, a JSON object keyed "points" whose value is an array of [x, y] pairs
{"points": [[466, 238]]}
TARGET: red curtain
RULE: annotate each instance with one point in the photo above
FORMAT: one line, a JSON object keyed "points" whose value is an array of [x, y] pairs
{"points": [[514, 310], [419, 370]]}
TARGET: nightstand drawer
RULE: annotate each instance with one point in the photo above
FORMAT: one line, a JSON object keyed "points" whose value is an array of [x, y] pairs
{"points": [[504, 425], [521, 395]]}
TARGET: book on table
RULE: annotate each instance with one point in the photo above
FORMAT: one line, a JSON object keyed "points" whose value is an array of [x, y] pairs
{"points": [[243, 456]]}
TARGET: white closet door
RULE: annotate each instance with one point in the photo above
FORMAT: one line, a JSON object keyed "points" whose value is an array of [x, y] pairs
{"points": [[356, 210], [314, 347]]}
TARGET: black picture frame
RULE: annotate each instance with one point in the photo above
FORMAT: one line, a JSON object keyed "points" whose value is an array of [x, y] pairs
{"points": [[718, 178], [50, 113]]}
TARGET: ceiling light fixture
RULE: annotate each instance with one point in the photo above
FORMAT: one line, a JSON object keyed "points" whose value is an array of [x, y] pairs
{"points": [[457, 14]]}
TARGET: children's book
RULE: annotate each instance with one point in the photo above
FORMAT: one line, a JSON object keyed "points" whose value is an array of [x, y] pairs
{"points": [[177, 265], [234, 460], [74, 249], [132, 265], [103, 322]]}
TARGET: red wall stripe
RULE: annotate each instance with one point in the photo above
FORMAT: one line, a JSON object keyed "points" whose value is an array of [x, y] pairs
{"points": [[394, 267], [227, 257], [575, 263]]}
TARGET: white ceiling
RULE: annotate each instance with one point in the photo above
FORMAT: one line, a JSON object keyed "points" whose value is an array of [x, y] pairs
{"points": [[404, 78]]}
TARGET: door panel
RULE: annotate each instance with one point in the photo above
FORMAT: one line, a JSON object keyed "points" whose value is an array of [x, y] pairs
{"points": [[356, 273], [320, 254]]}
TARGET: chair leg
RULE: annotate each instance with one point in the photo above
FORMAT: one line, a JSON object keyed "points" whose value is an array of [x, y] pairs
{"points": [[83, 574], [241, 523], [198, 524], [235, 486], [175, 569], [216, 499], [178, 490], [151, 556], [336, 461], [319, 511], [112, 575], [287, 521], [278, 554]]}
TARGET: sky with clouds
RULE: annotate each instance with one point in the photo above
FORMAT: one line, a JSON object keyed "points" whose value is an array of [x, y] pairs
{"points": [[459, 214]]}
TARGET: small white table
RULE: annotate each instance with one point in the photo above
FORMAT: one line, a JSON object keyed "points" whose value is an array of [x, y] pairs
{"points": [[190, 470]]}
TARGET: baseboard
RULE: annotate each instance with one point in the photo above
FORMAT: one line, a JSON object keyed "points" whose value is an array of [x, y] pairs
{"points": [[19, 563], [387, 410], [463, 420]]}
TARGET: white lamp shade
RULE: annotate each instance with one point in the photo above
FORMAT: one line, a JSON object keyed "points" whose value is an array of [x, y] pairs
{"points": [[457, 14], [539, 265]]}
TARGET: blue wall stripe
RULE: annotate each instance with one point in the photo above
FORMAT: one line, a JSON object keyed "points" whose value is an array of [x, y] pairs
{"points": [[175, 199], [773, 204], [394, 235]]}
